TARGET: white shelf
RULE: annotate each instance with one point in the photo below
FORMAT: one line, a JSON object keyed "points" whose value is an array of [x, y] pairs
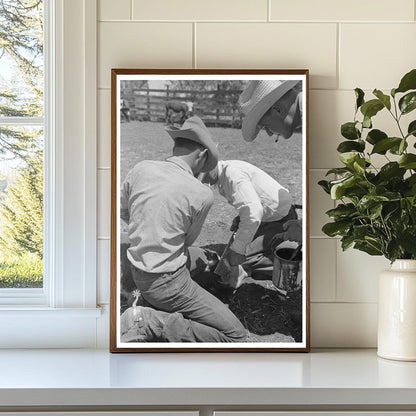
{"points": [[56, 378]]}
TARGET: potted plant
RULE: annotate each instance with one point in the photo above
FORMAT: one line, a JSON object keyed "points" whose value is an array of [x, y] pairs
{"points": [[376, 206]]}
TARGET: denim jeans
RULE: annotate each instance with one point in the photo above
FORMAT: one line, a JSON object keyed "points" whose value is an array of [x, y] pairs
{"points": [[258, 252], [184, 311]]}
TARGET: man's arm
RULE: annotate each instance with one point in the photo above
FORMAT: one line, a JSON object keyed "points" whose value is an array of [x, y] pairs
{"points": [[199, 219], [124, 200], [245, 200]]}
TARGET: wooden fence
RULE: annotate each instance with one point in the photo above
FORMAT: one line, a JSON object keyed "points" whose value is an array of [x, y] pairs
{"points": [[215, 108]]}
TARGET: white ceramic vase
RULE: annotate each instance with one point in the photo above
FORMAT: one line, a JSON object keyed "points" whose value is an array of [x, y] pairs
{"points": [[397, 312]]}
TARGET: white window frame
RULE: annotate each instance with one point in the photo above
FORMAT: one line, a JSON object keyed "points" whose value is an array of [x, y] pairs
{"points": [[64, 313]]}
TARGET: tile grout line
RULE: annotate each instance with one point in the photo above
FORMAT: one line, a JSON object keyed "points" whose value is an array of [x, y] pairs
{"points": [[131, 9], [269, 11], [306, 22]]}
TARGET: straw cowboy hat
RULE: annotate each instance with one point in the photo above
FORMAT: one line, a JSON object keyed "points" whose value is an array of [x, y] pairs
{"points": [[256, 99], [194, 129]]}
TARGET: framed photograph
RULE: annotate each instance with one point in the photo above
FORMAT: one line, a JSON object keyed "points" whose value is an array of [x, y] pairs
{"points": [[209, 214]]}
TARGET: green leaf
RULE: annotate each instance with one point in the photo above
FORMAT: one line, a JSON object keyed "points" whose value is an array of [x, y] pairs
{"points": [[408, 102], [385, 99], [359, 232], [336, 228], [349, 131], [407, 240], [371, 108], [411, 130], [359, 95], [393, 250], [346, 242], [375, 243], [408, 82], [374, 136], [411, 183], [338, 171], [339, 189], [408, 161], [375, 212], [383, 145], [367, 122], [348, 158], [398, 149], [359, 165], [342, 211], [349, 146], [325, 186], [369, 201], [391, 170], [368, 248]]}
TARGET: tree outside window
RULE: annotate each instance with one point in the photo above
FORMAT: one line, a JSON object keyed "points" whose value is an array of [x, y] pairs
{"points": [[21, 143]]}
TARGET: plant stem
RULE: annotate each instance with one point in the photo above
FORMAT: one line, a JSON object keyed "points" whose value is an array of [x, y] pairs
{"points": [[397, 118]]}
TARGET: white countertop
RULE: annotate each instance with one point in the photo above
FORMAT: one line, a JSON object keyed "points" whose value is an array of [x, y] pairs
{"points": [[96, 377]]}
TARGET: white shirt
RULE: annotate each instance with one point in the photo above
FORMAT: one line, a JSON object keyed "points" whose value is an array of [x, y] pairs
{"points": [[254, 194], [165, 207]]}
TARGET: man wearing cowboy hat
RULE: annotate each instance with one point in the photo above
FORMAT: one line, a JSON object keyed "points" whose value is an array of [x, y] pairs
{"points": [[165, 206], [274, 105]]}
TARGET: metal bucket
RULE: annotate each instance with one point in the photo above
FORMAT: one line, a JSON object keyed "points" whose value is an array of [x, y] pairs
{"points": [[286, 269]]}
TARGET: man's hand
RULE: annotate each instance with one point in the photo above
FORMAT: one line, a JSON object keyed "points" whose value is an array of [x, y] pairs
{"points": [[293, 230], [235, 258], [235, 224]]}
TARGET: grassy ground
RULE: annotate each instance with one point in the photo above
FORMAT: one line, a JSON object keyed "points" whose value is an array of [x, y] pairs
{"points": [[21, 272], [282, 161], [259, 307]]}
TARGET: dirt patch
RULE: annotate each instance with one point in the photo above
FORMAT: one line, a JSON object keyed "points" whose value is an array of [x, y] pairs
{"points": [[263, 311], [257, 304]]}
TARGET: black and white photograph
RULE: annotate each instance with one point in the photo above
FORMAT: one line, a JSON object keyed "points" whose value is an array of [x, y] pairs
{"points": [[209, 216]]}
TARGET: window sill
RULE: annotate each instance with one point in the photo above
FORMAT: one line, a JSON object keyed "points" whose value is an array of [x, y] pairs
{"points": [[37, 327], [35, 311]]}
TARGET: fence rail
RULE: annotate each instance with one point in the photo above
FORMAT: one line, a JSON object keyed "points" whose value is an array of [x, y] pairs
{"points": [[215, 107]]}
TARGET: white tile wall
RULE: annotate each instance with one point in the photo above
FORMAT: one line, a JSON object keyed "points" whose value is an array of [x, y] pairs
{"points": [[357, 275], [343, 325], [200, 10], [358, 10], [345, 44], [142, 45], [388, 52], [323, 269], [114, 10], [270, 45]]}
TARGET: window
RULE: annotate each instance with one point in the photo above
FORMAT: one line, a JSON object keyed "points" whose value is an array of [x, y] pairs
{"points": [[22, 132], [63, 312]]}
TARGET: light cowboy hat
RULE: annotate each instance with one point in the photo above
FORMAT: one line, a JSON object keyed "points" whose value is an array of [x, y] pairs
{"points": [[195, 130], [256, 99]]}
